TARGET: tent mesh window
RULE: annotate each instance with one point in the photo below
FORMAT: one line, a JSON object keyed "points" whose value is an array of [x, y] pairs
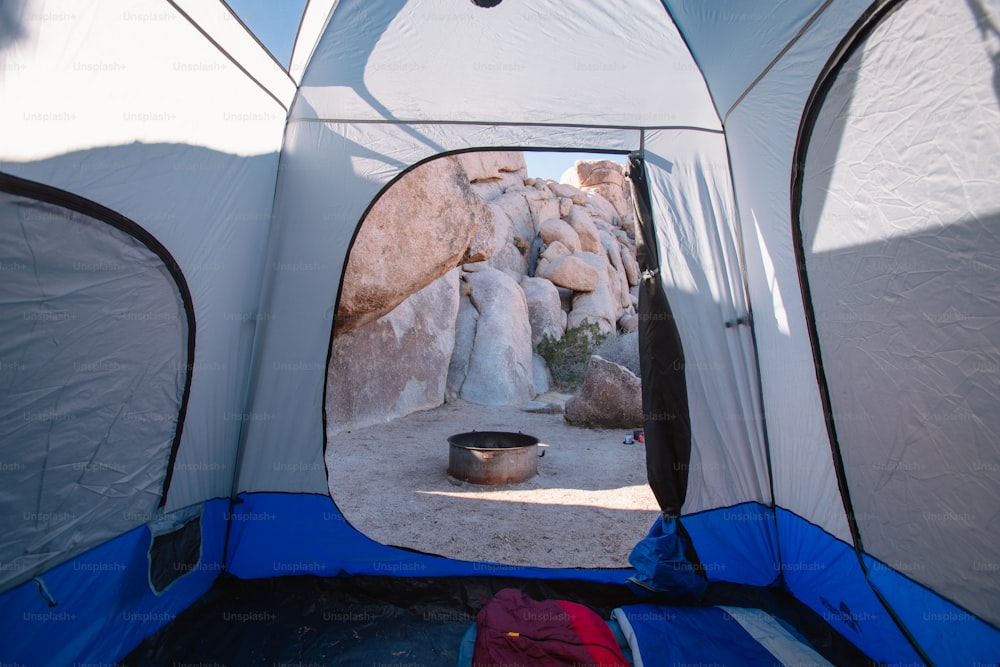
{"points": [[174, 554], [90, 306]]}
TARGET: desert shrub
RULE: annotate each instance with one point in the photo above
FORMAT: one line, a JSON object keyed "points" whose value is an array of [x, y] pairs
{"points": [[622, 350], [567, 357]]}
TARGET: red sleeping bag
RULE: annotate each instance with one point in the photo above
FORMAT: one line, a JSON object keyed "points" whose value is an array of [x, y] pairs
{"points": [[513, 629]]}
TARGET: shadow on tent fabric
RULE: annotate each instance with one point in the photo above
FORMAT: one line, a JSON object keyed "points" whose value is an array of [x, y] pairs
{"points": [[987, 26], [11, 28], [662, 558], [350, 72]]}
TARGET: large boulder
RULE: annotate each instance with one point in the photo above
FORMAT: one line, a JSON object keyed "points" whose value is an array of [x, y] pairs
{"points": [[500, 365], [596, 172], [629, 322], [514, 206], [543, 204], [573, 272], [554, 229], [555, 250], [574, 194], [507, 247], [544, 308], [492, 173], [611, 397], [602, 210], [415, 233], [541, 376], [465, 338], [605, 178], [601, 305], [630, 264], [493, 165], [397, 364], [613, 250], [616, 197], [484, 240], [564, 206], [549, 255], [586, 231]]}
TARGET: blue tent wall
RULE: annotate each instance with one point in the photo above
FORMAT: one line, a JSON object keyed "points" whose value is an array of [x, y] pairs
{"points": [[276, 534], [103, 602], [105, 605]]}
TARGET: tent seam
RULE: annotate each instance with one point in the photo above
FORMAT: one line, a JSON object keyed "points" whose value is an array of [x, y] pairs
{"points": [[694, 59], [260, 43], [489, 123], [781, 54], [230, 57], [319, 38]]}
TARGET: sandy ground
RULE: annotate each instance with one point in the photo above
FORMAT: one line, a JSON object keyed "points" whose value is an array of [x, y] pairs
{"points": [[587, 506]]}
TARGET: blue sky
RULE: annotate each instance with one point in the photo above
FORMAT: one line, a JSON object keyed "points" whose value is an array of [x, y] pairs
{"points": [[275, 23], [552, 165]]}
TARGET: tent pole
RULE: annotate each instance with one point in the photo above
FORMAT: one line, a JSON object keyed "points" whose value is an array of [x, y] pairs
{"points": [[741, 250]]}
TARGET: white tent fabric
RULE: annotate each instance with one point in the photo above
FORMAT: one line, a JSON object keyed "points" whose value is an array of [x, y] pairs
{"points": [[761, 133], [901, 231], [120, 72], [241, 47], [751, 37], [140, 113], [255, 182], [438, 60], [95, 346], [314, 19], [689, 174]]}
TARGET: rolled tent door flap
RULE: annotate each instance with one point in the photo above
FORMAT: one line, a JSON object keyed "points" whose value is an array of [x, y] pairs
{"points": [[664, 560], [664, 390]]}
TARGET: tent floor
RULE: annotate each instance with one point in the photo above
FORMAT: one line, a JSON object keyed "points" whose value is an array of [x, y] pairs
{"points": [[366, 620]]}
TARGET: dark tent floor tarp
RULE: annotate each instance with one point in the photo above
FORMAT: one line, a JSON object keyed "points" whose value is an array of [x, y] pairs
{"points": [[369, 620]]}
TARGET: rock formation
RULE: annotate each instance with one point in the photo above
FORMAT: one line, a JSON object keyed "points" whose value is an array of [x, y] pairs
{"points": [[611, 397], [412, 236], [397, 364], [499, 371], [545, 314], [464, 266]]}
